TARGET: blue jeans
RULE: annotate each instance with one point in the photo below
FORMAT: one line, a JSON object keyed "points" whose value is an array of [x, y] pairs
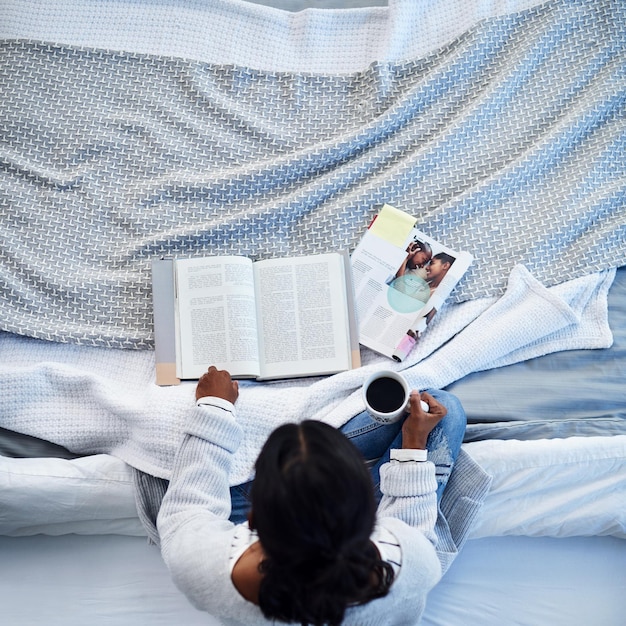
{"points": [[375, 440]]}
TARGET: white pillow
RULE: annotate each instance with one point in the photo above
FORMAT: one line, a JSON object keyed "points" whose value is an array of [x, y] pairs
{"points": [[553, 487], [91, 495], [549, 487]]}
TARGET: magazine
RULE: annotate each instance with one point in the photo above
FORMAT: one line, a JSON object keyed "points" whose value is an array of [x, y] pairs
{"points": [[401, 279]]}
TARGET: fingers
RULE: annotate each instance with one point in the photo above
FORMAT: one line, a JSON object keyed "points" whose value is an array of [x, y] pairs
{"points": [[434, 406], [427, 397], [414, 401], [431, 406], [217, 383], [215, 374], [209, 373]]}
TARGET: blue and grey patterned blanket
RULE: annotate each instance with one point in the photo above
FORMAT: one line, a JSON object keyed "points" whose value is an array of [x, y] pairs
{"points": [[507, 140]]}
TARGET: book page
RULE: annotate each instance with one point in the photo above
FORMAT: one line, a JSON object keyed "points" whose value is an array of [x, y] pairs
{"points": [[303, 320], [216, 316], [400, 287]]}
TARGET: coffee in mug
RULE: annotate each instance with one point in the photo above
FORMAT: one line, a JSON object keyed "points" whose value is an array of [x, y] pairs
{"points": [[386, 395]]}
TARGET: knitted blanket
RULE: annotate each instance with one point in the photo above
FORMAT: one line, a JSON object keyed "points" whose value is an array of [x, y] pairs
{"points": [[95, 400]]}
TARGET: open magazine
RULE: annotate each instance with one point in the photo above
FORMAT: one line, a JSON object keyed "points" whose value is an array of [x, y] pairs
{"points": [[401, 279]]}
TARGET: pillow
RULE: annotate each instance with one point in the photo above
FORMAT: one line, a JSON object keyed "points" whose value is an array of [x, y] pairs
{"points": [[552, 488], [91, 495]]}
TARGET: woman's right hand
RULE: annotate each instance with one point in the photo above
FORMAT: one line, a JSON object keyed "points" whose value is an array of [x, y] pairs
{"points": [[418, 425], [219, 384]]}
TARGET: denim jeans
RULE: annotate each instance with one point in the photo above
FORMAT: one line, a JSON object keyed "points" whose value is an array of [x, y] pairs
{"points": [[375, 440]]}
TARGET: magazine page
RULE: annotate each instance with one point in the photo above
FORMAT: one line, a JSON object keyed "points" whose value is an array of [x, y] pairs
{"points": [[303, 316], [401, 279], [216, 316]]}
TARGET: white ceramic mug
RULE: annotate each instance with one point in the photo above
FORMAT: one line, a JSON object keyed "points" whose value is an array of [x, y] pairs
{"points": [[386, 395]]}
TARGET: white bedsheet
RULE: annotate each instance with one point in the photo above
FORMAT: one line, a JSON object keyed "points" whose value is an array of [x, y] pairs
{"points": [[122, 581], [500, 581]]}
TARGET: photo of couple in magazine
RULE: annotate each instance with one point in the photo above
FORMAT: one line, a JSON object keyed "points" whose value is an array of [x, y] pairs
{"points": [[421, 271]]}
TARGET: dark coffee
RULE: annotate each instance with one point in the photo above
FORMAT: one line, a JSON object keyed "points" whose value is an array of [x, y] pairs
{"points": [[385, 395]]}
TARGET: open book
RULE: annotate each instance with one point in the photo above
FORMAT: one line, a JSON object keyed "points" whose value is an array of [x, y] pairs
{"points": [[275, 318], [401, 279]]}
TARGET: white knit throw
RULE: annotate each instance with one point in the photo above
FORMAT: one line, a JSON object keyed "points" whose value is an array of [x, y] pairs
{"points": [[102, 400]]}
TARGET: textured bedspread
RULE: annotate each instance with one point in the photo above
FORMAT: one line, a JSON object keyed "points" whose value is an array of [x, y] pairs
{"points": [[132, 130]]}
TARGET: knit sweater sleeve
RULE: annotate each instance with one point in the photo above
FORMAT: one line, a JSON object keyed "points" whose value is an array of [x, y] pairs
{"points": [[193, 524], [199, 481], [410, 494]]}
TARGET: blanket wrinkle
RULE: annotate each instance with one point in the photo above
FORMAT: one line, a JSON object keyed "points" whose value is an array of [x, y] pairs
{"points": [[100, 400]]}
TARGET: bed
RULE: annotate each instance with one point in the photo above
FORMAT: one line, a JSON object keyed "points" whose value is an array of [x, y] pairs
{"points": [[141, 129]]}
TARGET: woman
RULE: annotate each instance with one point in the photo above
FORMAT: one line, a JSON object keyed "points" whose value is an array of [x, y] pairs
{"points": [[315, 549]]}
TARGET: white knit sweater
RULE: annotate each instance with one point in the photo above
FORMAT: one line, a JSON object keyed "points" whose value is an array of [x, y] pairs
{"points": [[197, 538]]}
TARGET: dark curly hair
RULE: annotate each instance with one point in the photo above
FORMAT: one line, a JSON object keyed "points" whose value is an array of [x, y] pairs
{"points": [[314, 510]]}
